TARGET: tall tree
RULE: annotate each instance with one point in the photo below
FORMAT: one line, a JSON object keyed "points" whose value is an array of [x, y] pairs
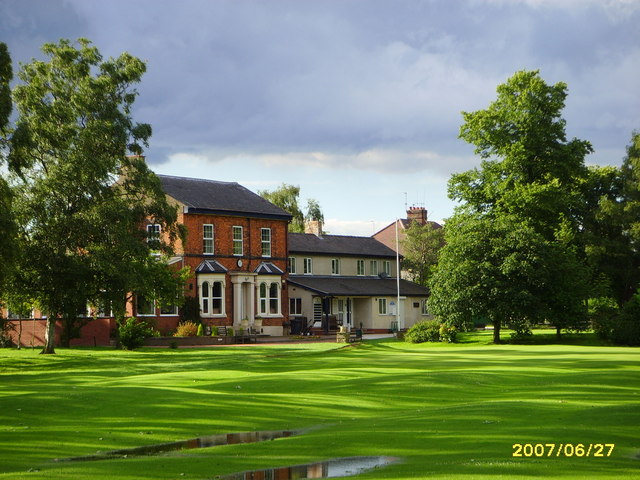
{"points": [[530, 182], [287, 197], [501, 269], [7, 225], [631, 198], [529, 169], [422, 245], [81, 199]]}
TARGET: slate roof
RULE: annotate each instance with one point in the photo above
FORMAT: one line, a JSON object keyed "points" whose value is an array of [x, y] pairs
{"points": [[223, 198], [338, 245], [357, 286], [210, 266], [266, 268]]}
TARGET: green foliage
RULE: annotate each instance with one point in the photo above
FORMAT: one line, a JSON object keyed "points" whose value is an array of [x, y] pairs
{"points": [[286, 197], [6, 75], [132, 332], [619, 325], [314, 211], [512, 254], [448, 333], [626, 328], [602, 314], [81, 196], [214, 331], [8, 244], [501, 269], [422, 244], [190, 310], [186, 329], [200, 330], [431, 331]]}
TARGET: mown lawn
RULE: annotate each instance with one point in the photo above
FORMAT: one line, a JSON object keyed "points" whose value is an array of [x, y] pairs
{"points": [[447, 411]]}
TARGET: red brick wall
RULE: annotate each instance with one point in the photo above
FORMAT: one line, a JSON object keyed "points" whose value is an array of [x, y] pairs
{"points": [[223, 254], [95, 333]]}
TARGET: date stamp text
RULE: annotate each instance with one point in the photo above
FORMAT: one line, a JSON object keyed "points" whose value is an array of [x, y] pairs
{"points": [[562, 449]]}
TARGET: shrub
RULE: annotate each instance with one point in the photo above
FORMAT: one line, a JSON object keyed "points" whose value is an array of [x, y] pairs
{"points": [[132, 332], [428, 331], [448, 334], [190, 310], [214, 331], [602, 314], [626, 328], [200, 330], [186, 329]]}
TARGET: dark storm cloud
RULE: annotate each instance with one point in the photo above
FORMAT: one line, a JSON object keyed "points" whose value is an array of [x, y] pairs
{"points": [[347, 77]]}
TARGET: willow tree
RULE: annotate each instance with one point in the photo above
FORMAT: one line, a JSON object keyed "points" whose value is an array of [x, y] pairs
{"points": [[83, 190]]}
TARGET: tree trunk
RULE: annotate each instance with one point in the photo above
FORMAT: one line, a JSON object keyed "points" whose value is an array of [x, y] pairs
{"points": [[49, 335], [496, 331], [558, 333]]}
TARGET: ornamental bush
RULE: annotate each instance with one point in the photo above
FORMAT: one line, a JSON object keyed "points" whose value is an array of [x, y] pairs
{"points": [[186, 329], [428, 331], [132, 332], [447, 334]]}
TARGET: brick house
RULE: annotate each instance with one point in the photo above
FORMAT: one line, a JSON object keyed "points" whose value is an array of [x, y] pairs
{"points": [[236, 249], [351, 281], [387, 235]]}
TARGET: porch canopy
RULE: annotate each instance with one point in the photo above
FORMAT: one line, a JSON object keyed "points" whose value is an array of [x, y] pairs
{"points": [[326, 286]]}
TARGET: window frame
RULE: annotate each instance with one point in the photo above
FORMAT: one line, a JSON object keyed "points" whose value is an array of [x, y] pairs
{"points": [[382, 306], [360, 271], [424, 307], [373, 267], [152, 304], [267, 299], [308, 266], [291, 265], [236, 241], [295, 306], [265, 244], [209, 299], [335, 266], [386, 267], [206, 239]]}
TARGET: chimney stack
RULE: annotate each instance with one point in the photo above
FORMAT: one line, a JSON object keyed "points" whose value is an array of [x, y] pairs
{"points": [[417, 214], [313, 226]]}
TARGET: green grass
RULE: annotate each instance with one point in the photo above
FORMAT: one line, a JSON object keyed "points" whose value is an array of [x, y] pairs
{"points": [[449, 411]]}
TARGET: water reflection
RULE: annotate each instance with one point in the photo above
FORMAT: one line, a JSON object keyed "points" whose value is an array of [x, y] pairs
{"points": [[200, 442], [339, 467]]}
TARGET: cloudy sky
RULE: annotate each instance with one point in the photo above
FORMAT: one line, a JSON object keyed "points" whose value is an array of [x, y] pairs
{"points": [[356, 101]]}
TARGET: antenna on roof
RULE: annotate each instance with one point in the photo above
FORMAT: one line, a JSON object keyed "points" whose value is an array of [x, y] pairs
{"points": [[405, 201]]}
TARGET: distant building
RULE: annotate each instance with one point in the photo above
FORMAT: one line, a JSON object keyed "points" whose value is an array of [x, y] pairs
{"points": [[387, 235], [351, 281], [236, 248]]}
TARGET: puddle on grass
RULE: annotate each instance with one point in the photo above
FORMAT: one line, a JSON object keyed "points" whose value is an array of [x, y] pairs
{"points": [[200, 442], [338, 467]]}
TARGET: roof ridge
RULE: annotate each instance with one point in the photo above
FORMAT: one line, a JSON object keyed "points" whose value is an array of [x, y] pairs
{"points": [[196, 179]]}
